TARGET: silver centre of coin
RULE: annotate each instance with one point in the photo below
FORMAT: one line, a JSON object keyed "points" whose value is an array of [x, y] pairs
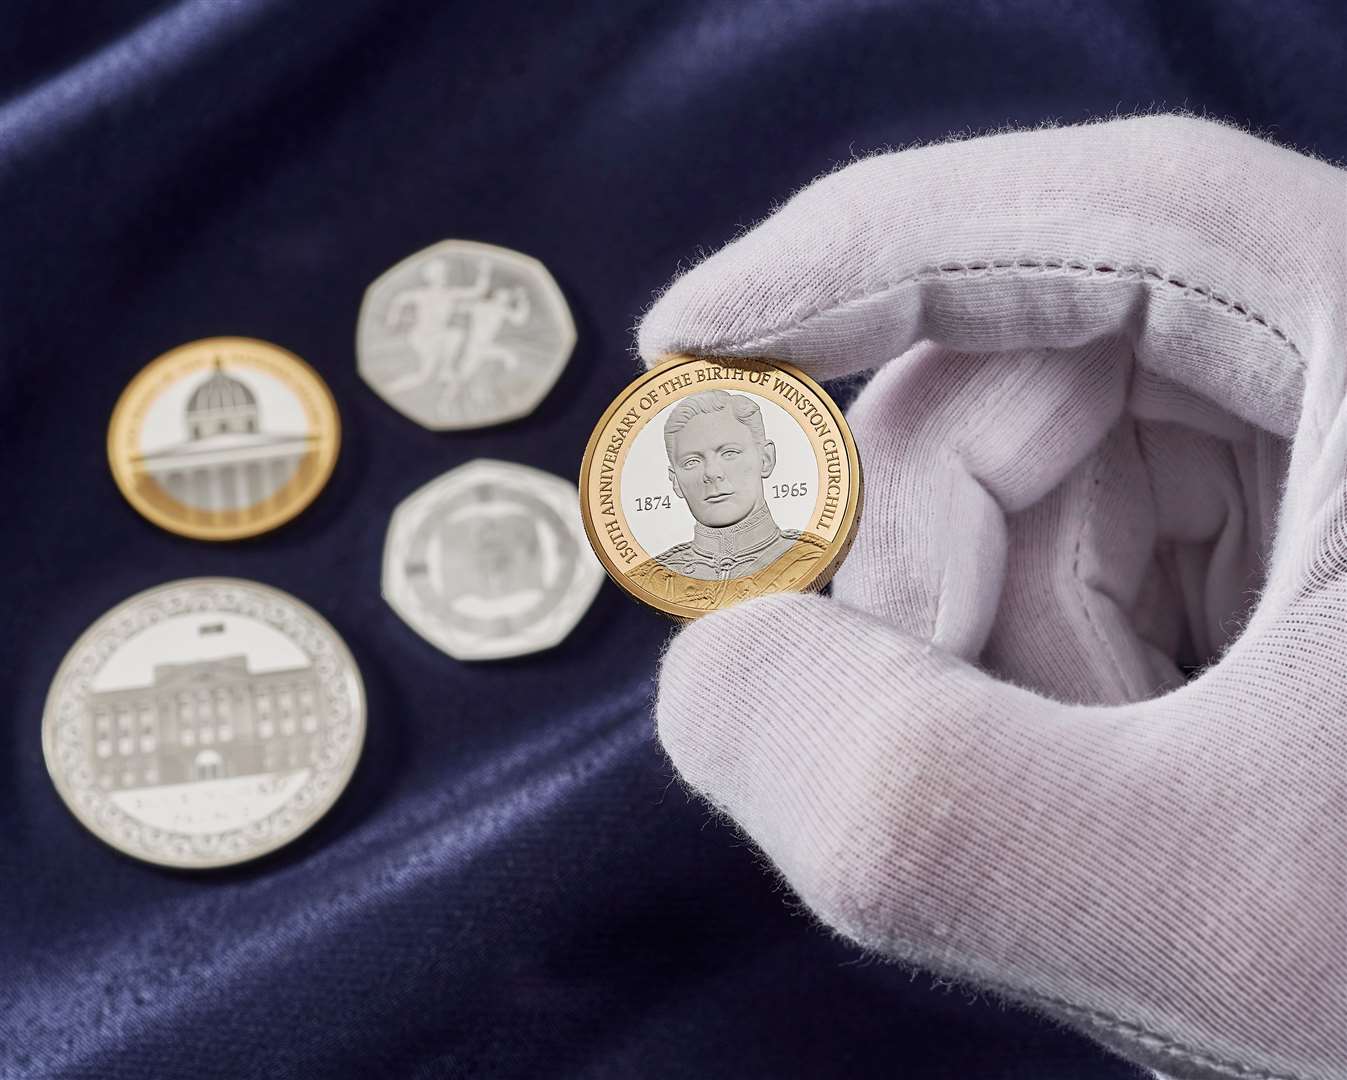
{"points": [[463, 335], [204, 722], [490, 560]]}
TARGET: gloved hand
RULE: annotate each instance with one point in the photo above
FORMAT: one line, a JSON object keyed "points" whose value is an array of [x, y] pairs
{"points": [[1106, 441]]}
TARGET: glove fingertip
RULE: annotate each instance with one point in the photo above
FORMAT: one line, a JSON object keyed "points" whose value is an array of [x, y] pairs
{"points": [[679, 321]]}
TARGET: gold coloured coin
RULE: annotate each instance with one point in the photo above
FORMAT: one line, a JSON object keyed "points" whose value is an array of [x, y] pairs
{"points": [[224, 438], [710, 480]]}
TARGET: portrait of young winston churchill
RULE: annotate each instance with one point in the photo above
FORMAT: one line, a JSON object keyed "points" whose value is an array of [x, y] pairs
{"points": [[719, 458]]}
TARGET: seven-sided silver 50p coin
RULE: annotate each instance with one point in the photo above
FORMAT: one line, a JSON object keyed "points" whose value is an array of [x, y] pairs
{"points": [[204, 722], [490, 561], [463, 335]]}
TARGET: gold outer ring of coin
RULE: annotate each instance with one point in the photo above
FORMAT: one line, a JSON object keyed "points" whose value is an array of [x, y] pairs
{"points": [[753, 585], [156, 504]]}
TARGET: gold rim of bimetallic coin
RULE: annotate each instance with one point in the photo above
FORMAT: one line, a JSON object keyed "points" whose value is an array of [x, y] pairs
{"points": [[600, 449], [313, 466]]}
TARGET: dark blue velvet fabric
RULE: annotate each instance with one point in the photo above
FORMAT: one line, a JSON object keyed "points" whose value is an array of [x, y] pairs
{"points": [[511, 887]]}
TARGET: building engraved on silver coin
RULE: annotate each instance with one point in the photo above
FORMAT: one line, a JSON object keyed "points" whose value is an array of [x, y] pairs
{"points": [[204, 722], [229, 460], [490, 561], [464, 335]]}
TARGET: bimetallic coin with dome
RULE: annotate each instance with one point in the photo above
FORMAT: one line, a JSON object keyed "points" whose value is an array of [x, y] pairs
{"points": [[490, 561], [223, 438], [204, 722], [709, 481], [464, 335]]}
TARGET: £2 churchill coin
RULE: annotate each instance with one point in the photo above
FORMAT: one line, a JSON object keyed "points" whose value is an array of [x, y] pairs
{"points": [[204, 722], [709, 481], [463, 335], [224, 438]]}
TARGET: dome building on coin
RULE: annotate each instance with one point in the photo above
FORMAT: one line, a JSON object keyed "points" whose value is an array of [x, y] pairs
{"points": [[223, 438], [221, 405], [228, 462]]}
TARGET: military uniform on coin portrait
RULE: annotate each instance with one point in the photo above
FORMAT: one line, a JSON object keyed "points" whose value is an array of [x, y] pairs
{"points": [[719, 456]]}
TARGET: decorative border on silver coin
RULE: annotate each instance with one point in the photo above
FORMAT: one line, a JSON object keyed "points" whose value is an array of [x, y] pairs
{"points": [[66, 713]]}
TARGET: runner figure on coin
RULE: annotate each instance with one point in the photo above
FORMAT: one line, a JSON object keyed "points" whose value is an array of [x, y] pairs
{"points": [[463, 335], [486, 317], [430, 313]]}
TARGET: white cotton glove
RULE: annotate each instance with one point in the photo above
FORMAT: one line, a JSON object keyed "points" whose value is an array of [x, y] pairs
{"points": [[1107, 440]]}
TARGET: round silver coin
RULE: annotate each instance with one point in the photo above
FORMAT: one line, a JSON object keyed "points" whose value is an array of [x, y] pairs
{"points": [[204, 722], [490, 560], [463, 335]]}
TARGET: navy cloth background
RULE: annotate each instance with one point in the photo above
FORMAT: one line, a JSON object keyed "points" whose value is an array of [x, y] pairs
{"points": [[512, 886]]}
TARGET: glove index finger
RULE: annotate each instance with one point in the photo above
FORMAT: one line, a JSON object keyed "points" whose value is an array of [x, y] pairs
{"points": [[1216, 253]]}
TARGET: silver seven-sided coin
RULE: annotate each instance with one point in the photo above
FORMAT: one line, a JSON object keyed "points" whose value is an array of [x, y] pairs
{"points": [[204, 722], [490, 560], [463, 335]]}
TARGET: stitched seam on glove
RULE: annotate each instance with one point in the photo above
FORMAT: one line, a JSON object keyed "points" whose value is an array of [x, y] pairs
{"points": [[1082, 591], [946, 965], [1160, 1043], [1026, 267], [1137, 1033]]}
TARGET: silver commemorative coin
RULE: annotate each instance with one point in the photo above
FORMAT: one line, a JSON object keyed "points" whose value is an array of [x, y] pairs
{"points": [[490, 561], [204, 722], [464, 335]]}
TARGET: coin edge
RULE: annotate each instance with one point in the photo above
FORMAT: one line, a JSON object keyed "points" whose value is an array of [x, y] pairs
{"points": [[571, 337], [164, 521], [486, 657], [851, 517]]}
